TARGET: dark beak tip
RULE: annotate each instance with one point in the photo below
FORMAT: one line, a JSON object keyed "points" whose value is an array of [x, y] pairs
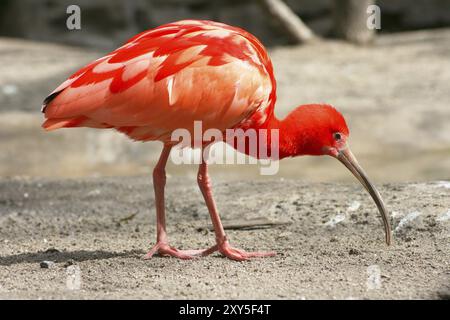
{"points": [[347, 158], [389, 238]]}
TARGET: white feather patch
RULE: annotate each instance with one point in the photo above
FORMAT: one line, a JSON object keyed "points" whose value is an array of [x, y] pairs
{"points": [[170, 91], [131, 70], [218, 33]]}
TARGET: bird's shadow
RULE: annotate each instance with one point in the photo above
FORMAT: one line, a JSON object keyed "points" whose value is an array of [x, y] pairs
{"points": [[65, 256]]}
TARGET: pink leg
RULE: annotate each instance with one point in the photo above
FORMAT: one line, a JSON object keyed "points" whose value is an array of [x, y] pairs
{"points": [[162, 247], [222, 245]]}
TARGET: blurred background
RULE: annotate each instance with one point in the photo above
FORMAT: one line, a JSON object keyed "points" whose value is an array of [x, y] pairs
{"points": [[391, 84]]}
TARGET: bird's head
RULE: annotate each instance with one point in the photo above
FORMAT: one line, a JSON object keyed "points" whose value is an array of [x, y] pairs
{"points": [[315, 129], [318, 129]]}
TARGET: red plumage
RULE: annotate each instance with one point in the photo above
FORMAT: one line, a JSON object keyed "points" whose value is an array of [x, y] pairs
{"points": [[168, 77]]}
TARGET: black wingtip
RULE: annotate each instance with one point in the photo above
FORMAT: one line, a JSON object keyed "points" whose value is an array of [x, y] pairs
{"points": [[49, 99]]}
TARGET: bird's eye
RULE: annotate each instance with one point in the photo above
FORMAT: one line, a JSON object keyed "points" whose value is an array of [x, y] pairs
{"points": [[337, 136]]}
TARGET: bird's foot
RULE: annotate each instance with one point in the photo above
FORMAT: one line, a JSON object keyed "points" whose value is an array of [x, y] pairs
{"points": [[163, 249], [236, 254]]}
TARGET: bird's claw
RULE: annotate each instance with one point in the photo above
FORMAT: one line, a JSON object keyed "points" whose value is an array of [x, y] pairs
{"points": [[163, 249], [240, 255]]}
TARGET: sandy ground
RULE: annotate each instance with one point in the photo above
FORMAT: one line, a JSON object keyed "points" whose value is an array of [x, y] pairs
{"points": [[332, 247]]}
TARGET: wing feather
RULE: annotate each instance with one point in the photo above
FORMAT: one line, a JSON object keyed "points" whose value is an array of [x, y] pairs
{"points": [[166, 78]]}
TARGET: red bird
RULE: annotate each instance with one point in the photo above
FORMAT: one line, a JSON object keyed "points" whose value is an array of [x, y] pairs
{"points": [[166, 78]]}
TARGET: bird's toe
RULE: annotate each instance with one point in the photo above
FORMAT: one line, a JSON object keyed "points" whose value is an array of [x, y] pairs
{"points": [[241, 255], [164, 249]]}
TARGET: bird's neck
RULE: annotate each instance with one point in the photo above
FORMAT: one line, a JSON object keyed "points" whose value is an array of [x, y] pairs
{"points": [[275, 139], [280, 130], [304, 131]]}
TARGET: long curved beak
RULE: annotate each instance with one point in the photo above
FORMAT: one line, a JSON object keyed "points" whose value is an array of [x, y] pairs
{"points": [[348, 159]]}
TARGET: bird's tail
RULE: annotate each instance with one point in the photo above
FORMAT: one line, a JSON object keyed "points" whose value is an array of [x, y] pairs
{"points": [[53, 124], [81, 121]]}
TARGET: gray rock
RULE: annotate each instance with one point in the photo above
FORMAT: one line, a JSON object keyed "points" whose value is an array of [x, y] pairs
{"points": [[47, 264]]}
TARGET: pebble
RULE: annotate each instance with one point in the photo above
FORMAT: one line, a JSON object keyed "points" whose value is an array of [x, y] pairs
{"points": [[354, 206], [407, 220], [354, 252], [47, 264], [284, 235], [52, 250], [444, 217], [69, 263], [335, 220]]}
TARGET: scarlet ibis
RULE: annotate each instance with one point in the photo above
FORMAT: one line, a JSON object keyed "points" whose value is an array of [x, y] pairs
{"points": [[166, 78]]}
